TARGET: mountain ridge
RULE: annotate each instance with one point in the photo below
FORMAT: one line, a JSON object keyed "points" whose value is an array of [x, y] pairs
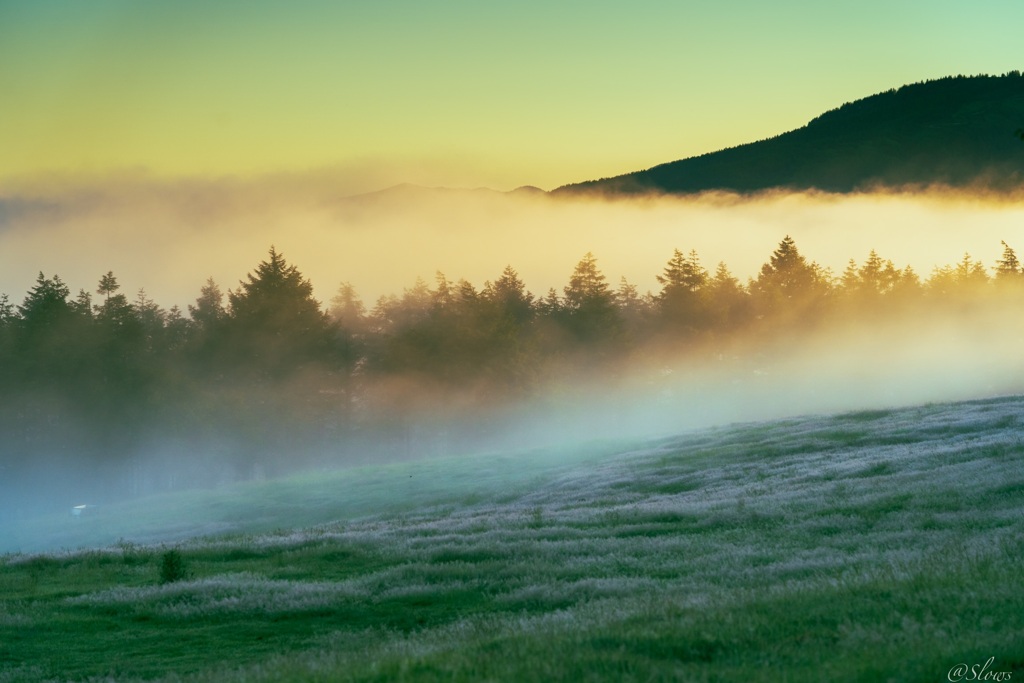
{"points": [[959, 131]]}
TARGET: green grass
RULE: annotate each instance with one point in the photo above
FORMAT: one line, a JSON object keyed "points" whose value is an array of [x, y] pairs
{"points": [[880, 545]]}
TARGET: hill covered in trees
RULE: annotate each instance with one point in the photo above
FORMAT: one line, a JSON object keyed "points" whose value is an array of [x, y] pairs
{"points": [[958, 131]]}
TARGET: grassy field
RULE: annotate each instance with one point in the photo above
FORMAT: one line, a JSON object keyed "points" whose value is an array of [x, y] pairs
{"points": [[870, 546]]}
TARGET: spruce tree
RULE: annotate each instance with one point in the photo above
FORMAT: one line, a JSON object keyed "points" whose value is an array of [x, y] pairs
{"points": [[208, 310], [788, 285], [682, 301], [275, 324], [589, 307], [1008, 267]]}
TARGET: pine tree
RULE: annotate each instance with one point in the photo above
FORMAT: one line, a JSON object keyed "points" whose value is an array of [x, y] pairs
{"points": [[347, 308], [728, 301], [208, 310], [82, 305], [788, 284], [45, 302], [509, 295], [551, 305], [48, 334], [873, 275], [682, 274], [682, 301], [108, 285], [151, 319], [276, 325], [6, 310], [1008, 267], [970, 273], [589, 304], [587, 288], [442, 291], [850, 282], [635, 309]]}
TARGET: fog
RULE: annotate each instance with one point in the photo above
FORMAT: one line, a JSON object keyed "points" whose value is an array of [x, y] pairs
{"points": [[169, 237]]}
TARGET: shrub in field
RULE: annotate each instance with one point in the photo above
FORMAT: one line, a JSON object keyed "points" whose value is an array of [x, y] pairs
{"points": [[172, 567]]}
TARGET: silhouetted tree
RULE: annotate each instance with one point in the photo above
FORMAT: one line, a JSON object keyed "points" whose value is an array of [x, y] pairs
{"points": [[635, 309], [281, 360], [115, 314], [208, 311], [46, 331], [506, 339], [788, 285], [509, 296], [275, 325], [6, 310], [82, 305], [588, 308], [550, 306], [7, 357], [151, 320], [727, 301], [870, 286], [908, 288], [961, 281], [1009, 265], [176, 329], [682, 302], [45, 305], [108, 285]]}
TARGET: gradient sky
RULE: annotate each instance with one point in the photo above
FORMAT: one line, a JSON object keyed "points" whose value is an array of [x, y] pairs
{"points": [[452, 93]]}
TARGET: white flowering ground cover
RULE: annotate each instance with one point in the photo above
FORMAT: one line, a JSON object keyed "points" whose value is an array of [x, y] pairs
{"points": [[880, 545]]}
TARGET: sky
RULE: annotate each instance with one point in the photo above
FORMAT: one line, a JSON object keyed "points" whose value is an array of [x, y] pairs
{"points": [[456, 93]]}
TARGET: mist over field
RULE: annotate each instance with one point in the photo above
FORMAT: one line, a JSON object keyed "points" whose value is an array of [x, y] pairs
{"points": [[168, 238]]}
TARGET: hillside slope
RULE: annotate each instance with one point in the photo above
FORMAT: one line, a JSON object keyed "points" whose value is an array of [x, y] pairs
{"points": [[875, 545], [958, 131]]}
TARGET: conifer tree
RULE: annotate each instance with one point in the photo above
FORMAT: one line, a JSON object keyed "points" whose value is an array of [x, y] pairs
{"points": [[6, 310], [635, 308], [727, 300], [682, 300], [589, 304], [275, 324], [46, 303], [108, 285], [82, 305], [509, 295], [49, 334], [788, 284], [1008, 267], [551, 305], [970, 273], [208, 310], [347, 308]]}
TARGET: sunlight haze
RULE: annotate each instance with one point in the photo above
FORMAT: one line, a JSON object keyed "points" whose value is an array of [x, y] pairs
{"points": [[457, 94]]}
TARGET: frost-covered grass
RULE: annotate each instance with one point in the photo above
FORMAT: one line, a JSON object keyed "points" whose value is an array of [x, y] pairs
{"points": [[879, 545]]}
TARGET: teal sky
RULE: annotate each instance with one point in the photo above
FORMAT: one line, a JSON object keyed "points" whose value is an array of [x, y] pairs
{"points": [[453, 93]]}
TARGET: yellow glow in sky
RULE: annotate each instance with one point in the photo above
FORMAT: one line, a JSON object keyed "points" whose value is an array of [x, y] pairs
{"points": [[453, 93]]}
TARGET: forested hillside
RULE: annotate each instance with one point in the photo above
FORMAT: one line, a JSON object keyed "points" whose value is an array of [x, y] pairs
{"points": [[958, 131]]}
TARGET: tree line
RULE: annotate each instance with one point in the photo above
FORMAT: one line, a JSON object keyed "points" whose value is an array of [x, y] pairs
{"points": [[265, 368]]}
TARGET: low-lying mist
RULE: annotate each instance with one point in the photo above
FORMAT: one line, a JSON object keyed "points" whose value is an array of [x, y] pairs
{"points": [[204, 426], [169, 237]]}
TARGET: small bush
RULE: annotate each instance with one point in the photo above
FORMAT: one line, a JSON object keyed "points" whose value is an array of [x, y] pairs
{"points": [[172, 567]]}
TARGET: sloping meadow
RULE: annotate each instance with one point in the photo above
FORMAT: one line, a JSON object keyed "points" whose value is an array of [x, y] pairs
{"points": [[865, 546]]}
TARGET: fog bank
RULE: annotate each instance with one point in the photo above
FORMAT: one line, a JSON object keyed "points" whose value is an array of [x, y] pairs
{"points": [[168, 237]]}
